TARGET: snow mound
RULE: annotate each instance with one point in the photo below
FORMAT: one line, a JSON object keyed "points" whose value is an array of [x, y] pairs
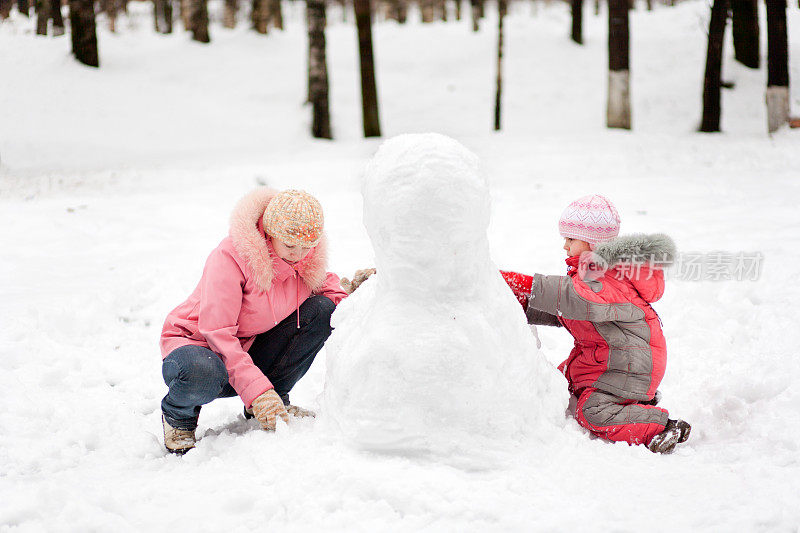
{"points": [[432, 355]]}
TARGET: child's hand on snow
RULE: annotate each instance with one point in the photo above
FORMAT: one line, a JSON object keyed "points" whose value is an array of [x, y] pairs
{"points": [[358, 278]]}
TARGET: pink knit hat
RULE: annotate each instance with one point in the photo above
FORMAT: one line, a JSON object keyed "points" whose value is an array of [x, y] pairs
{"points": [[294, 218], [592, 219]]}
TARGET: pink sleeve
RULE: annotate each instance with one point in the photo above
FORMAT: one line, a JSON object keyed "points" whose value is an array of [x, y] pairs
{"points": [[332, 288], [218, 315]]}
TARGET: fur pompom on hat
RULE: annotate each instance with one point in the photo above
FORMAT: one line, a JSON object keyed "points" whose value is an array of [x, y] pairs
{"points": [[591, 218], [294, 218]]}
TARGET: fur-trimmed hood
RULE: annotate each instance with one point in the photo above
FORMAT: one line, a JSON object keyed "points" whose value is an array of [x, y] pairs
{"points": [[247, 235], [656, 250]]}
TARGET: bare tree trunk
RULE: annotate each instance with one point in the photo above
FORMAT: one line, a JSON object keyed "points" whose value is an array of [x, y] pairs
{"points": [[24, 7], [198, 21], [58, 20], [186, 10], [477, 13], [369, 91], [778, 105], [712, 82], [618, 109], [501, 15], [42, 16], [109, 7], [441, 9], [162, 15], [426, 9], [744, 24], [276, 14], [260, 16], [577, 21], [596, 8], [458, 9], [84, 32], [649, 5], [318, 69], [5, 8], [230, 8]]}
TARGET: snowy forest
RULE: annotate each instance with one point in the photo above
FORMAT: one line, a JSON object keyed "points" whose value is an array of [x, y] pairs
{"points": [[442, 153]]}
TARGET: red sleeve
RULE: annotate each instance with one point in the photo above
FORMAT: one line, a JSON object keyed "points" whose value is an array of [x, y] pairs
{"points": [[520, 285]]}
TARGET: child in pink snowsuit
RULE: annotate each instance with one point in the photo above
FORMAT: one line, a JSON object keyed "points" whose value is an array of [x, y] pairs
{"points": [[620, 354]]}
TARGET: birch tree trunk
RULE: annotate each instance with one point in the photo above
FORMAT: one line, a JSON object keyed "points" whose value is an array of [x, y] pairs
{"points": [[162, 15], [501, 15], [317, 69], [618, 109], [577, 21], [712, 81], [276, 14], [778, 106], [744, 24], [369, 91], [84, 32]]}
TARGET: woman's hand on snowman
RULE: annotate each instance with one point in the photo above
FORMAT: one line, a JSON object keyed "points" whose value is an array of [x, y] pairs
{"points": [[358, 278], [267, 408]]}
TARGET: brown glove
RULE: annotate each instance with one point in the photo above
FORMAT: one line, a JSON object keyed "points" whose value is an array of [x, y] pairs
{"points": [[267, 408], [358, 278]]}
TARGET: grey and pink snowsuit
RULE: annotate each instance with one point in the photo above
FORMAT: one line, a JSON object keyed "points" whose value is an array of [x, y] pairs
{"points": [[620, 353]]}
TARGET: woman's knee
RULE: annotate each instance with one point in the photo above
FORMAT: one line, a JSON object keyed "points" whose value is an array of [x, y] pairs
{"points": [[194, 364]]}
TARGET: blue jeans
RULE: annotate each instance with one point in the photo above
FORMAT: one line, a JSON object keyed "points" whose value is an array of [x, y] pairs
{"points": [[196, 375]]}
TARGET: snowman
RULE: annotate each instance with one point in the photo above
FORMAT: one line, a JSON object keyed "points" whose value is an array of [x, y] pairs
{"points": [[432, 355]]}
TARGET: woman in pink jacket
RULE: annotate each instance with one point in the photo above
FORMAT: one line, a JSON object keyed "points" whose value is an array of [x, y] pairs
{"points": [[256, 320]]}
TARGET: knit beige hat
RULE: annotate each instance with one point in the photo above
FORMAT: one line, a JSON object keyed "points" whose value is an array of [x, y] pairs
{"points": [[294, 218]]}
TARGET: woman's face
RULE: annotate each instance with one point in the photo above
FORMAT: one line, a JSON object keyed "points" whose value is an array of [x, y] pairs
{"points": [[290, 254]]}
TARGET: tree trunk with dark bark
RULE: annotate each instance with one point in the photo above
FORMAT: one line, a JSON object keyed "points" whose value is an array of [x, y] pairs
{"points": [[198, 21], [318, 69], [110, 8], [84, 32], [501, 15], [5, 8], [369, 91], [618, 109], [744, 23], [229, 10], [441, 9], [42, 16], [426, 10], [577, 20], [260, 16], [24, 7], [162, 15], [713, 77], [58, 19], [458, 9], [477, 13], [778, 105]]}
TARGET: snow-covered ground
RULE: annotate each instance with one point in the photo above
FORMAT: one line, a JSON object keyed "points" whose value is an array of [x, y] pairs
{"points": [[116, 183]]}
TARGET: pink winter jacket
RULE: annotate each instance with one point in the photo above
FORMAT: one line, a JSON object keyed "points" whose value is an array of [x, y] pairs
{"points": [[245, 290]]}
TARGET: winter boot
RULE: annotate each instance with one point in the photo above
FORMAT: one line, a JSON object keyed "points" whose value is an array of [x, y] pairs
{"points": [[676, 431], [177, 441]]}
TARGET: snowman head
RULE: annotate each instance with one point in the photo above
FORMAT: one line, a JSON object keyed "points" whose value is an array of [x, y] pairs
{"points": [[426, 210]]}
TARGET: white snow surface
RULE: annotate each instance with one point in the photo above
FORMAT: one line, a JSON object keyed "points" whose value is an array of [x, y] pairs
{"points": [[116, 183], [421, 351]]}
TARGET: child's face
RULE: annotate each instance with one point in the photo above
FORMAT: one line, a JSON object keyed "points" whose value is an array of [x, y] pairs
{"points": [[290, 254], [576, 247]]}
